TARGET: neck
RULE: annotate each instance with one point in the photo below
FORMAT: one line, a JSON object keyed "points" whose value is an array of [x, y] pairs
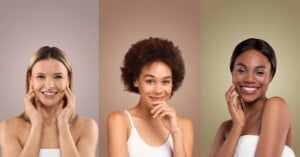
{"points": [[143, 110], [49, 114], [255, 106]]}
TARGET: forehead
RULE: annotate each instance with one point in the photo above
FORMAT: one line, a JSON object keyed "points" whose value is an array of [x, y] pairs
{"points": [[157, 69], [252, 58], [49, 66]]}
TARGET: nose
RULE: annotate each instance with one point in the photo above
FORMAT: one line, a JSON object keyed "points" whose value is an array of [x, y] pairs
{"points": [[250, 77], [158, 88], [49, 83]]}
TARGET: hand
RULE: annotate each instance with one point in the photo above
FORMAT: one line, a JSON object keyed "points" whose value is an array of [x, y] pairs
{"points": [[167, 114], [65, 114], [33, 112], [236, 111]]}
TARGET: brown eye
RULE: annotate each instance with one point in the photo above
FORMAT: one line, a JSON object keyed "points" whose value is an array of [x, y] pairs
{"points": [[58, 77], [149, 81], [40, 76], [165, 82], [260, 73]]}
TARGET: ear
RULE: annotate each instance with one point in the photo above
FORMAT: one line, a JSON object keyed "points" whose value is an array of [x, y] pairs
{"points": [[271, 78], [136, 83]]}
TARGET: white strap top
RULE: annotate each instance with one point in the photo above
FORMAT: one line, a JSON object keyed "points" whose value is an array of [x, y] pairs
{"points": [[49, 153], [138, 148], [247, 146]]}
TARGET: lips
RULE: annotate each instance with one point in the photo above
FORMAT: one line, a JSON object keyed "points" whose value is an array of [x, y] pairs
{"points": [[156, 98], [49, 93], [249, 90]]}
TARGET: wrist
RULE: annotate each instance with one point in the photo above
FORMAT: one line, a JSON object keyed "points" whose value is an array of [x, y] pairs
{"points": [[238, 127], [61, 124], [176, 131]]}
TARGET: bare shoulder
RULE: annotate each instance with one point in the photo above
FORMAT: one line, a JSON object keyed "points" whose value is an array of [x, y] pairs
{"points": [[13, 125], [276, 104], [117, 117], [184, 121], [82, 124], [118, 123], [225, 127], [10, 129]]}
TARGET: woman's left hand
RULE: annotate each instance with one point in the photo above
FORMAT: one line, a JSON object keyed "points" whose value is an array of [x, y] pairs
{"points": [[167, 114], [65, 114]]}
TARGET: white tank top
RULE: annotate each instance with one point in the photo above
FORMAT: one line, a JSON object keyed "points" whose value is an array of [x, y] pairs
{"points": [[49, 153], [247, 146], [138, 148]]}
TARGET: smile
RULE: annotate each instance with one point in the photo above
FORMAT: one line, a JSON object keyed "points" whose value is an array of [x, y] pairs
{"points": [[49, 94], [249, 89], [156, 98]]}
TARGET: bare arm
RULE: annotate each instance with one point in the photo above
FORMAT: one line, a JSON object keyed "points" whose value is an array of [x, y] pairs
{"points": [[86, 146], [184, 138], [226, 147], [10, 145], [276, 123], [88, 128], [117, 130]]}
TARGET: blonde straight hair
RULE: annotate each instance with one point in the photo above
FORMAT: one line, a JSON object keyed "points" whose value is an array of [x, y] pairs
{"points": [[45, 53]]}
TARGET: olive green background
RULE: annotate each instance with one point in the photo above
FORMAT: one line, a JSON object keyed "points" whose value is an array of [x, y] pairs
{"points": [[223, 25]]}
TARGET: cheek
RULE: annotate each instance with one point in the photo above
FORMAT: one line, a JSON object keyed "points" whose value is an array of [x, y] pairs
{"points": [[235, 78], [61, 85], [36, 85]]}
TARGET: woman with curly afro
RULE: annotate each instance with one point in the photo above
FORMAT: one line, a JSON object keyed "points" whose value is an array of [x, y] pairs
{"points": [[154, 69]]}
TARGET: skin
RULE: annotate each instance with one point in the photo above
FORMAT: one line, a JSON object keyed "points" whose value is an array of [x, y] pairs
{"points": [[253, 113], [50, 125], [153, 117]]}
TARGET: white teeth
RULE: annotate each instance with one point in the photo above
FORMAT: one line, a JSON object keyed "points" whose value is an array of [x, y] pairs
{"points": [[249, 89], [49, 93]]}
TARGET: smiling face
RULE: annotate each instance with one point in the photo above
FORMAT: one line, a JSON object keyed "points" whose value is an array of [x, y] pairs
{"points": [[251, 75], [154, 83], [49, 79]]}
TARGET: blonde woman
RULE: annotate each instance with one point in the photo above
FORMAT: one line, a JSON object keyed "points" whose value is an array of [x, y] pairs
{"points": [[49, 126]]}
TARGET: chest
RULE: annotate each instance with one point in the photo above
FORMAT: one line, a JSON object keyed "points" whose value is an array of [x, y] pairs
{"points": [[152, 133], [252, 125], [49, 137]]}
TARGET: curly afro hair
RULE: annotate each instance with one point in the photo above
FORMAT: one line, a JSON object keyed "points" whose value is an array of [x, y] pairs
{"points": [[151, 50]]}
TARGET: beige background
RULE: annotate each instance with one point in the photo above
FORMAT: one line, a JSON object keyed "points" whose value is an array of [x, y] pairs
{"points": [[226, 23], [122, 24], [71, 25]]}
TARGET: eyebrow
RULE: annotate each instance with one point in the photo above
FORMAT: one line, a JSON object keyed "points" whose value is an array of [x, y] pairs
{"points": [[152, 76], [58, 73], [257, 67]]}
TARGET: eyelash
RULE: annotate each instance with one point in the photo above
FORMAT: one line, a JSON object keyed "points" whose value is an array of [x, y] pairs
{"points": [[58, 77], [40, 77], [164, 82]]}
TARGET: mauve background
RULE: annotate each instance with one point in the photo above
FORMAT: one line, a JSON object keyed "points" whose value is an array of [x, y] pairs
{"points": [[123, 23], [71, 25]]}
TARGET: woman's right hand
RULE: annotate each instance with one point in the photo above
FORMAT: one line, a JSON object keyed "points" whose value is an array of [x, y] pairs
{"points": [[236, 111], [31, 111]]}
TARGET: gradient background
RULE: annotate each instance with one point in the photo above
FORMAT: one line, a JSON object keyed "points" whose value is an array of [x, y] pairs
{"points": [[122, 24], [71, 25], [226, 23]]}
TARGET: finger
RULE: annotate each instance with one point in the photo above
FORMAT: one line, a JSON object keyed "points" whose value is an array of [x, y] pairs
{"points": [[230, 90], [163, 115], [70, 97], [239, 103], [157, 110], [156, 107]]}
